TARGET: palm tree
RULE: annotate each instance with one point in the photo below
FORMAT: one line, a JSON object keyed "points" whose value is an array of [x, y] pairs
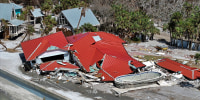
{"points": [[84, 7], [188, 8], [30, 29], [88, 28], [49, 22], [82, 14], [28, 25], [47, 6], [173, 23]]}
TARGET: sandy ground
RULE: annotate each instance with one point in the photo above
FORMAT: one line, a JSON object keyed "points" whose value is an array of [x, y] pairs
{"points": [[12, 62]]}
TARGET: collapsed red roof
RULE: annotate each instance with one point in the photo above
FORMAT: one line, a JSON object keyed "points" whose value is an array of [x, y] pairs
{"points": [[112, 67], [52, 65], [91, 48], [35, 47], [104, 36], [187, 71]]}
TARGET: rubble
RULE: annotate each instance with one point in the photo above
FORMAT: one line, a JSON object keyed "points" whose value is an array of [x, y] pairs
{"points": [[98, 65]]}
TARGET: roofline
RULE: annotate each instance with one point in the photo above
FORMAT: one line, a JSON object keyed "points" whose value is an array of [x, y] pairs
{"points": [[34, 51], [67, 20]]}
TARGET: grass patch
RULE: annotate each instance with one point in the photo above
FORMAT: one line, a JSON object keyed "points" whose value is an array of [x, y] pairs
{"points": [[151, 57]]}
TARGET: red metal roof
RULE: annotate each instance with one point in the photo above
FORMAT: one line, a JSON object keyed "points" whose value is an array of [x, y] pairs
{"points": [[35, 47], [86, 54], [51, 66], [104, 36], [90, 51], [72, 39], [117, 50], [187, 71], [113, 67]]}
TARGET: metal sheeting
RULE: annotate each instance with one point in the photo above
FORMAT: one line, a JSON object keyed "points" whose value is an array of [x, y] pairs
{"points": [[16, 22], [187, 71], [16, 6], [5, 11], [73, 16], [37, 13]]}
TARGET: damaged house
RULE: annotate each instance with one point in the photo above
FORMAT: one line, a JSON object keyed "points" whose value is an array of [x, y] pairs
{"points": [[102, 52], [94, 52], [48, 53]]}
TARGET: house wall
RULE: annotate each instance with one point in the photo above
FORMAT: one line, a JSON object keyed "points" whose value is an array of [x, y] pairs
{"points": [[51, 54], [62, 20]]}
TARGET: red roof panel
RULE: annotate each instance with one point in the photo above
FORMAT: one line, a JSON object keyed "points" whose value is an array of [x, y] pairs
{"points": [[187, 71], [113, 67], [51, 66], [74, 38], [35, 47], [104, 36], [90, 51], [117, 50]]}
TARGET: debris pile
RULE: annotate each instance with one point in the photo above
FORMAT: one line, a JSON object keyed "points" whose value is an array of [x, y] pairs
{"points": [[99, 56]]}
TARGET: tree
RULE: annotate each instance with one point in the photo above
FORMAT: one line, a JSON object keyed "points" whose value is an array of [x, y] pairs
{"points": [[197, 57], [49, 22], [137, 22], [30, 29], [28, 25], [47, 6], [26, 13], [67, 4], [5, 28], [82, 14], [188, 7], [87, 27], [104, 12], [173, 23]]}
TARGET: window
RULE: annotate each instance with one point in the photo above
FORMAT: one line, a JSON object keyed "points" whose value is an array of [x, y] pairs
{"points": [[50, 58]]}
